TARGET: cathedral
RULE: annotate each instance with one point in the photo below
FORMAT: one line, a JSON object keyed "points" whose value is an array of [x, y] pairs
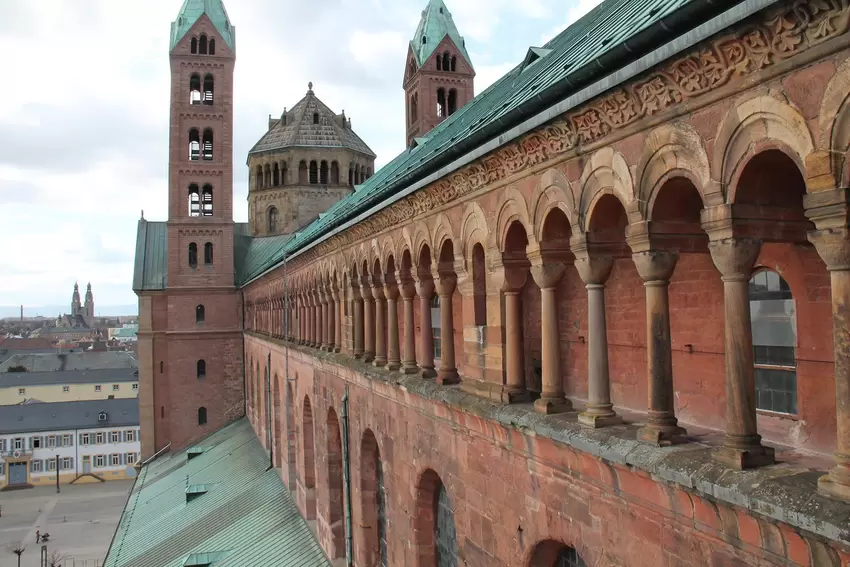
{"points": [[81, 315], [595, 315]]}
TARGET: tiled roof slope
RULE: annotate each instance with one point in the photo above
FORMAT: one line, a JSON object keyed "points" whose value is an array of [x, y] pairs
{"points": [[65, 361], [59, 416], [67, 378], [436, 24], [191, 12], [246, 515], [150, 272], [253, 254], [586, 50], [300, 131]]}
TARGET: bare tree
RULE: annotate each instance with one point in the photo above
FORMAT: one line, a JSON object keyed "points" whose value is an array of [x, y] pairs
{"points": [[18, 548], [56, 558]]}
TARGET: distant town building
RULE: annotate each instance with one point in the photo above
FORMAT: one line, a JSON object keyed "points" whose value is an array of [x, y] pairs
{"points": [[93, 441], [124, 334], [63, 361], [67, 386], [81, 315]]}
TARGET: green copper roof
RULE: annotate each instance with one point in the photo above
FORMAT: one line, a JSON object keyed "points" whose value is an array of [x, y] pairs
{"points": [[248, 519], [192, 10], [151, 269], [435, 25]]}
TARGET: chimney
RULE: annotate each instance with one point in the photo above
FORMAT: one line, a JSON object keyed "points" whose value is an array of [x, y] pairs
{"points": [[22, 312]]}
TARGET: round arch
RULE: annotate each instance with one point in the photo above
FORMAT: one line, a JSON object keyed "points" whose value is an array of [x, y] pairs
{"points": [[835, 125], [606, 173]]}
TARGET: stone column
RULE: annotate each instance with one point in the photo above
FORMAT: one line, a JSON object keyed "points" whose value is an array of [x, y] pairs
{"points": [[338, 298], [317, 320], [393, 355], [357, 300], [514, 282], [833, 245], [594, 271], [309, 316], [408, 292], [742, 448], [546, 275], [324, 313], [368, 321], [447, 374], [656, 268], [425, 290], [380, 324]]}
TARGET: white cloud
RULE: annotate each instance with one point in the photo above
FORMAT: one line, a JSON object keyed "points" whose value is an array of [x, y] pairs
{"points": [[84, 111]]}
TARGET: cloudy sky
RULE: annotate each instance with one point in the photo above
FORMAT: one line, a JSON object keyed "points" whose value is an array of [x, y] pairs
{"points": [[84, 111]]}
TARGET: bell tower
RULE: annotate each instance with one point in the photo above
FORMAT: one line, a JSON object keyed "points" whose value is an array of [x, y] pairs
{"points": [[191, 340], [438, 77]]}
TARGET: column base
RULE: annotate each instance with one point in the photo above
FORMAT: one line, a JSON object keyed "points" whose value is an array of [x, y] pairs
{"points": [[379, 361], [358, 355], [448, 377], [394, 365], [368, 357], [662, 435], [428, 373], [409, 368], [834, 483], [740, 459], [337, 350], [515, 396], [549, 406], [599, 420]]}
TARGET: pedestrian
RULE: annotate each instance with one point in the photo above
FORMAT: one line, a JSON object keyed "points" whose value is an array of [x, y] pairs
{"points": [[37, 536]]}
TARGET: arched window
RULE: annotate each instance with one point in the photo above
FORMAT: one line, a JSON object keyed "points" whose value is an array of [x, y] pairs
{"points": [[439, 63], [315, 118], [208, 254], [212, 46], [207, 200], [259, 180], [267, 176], [424, 39], [414, 108], [452, 101], [323, 173], [195, 89], [194, 144], [202, 416], [479, 286], [569, 557], [202, 369], [200, 314], [284, 173], [303, 178], [441, 103], [208, 144], [444, 529], [272, 220], [314, 173], [209, 87], [334, 173], [194, 201], [351, 174], [774, 325], [202, 45], [276, 175], [193, 45], [446, 62], [193, 255], [368, 172], [454, 63]]}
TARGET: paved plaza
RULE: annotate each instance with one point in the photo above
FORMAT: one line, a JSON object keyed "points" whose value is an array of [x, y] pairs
{"points": [[80, 521]]}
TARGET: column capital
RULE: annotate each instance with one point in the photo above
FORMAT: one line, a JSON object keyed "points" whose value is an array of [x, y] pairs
{"points": [[734, 258], [391, 291], [547, 275], [446, 284], [509, 276], [377, 290], [655, 265], [833, 246], [406, 286], [594, 269]]}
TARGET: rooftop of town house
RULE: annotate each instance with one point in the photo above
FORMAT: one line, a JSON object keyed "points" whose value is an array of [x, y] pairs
{"points": [[63, 416], [68, 377], [67, 361], [238, 511]]}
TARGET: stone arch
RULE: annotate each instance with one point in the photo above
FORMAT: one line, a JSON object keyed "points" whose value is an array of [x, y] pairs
{"points": [[474, 230], [606, 173], [336, 516], [549, 553], [428, 488], [835, 125], [308, 475], [754, 125], [442, 232], [671, 150], [421, 238], [513, 209], [388, 250], [552, 191], [373, 500]]}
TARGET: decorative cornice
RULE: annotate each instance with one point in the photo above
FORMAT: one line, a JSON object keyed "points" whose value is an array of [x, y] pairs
{"points": [[736, 56]]}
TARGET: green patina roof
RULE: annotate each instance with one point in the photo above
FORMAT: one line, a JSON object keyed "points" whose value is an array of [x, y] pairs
{"points": [[255, 254], [150, 272], [248, 520], [192, 10], [435, 25]]}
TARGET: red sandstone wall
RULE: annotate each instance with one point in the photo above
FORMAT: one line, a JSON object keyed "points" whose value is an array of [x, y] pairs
{"points": [[511, 490]]}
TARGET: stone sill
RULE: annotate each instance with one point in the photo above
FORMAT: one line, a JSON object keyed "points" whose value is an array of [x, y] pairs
{"points": [[783, 492]]}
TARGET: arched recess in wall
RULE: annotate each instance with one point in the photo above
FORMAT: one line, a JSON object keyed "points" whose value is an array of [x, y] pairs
{"points": [[607, 172], [551, 553], [276, 419], [435, 532], [373, 501], [752, 127], [307, 443], [553, 190], [291, 438], [335, 487], [835, 126]]}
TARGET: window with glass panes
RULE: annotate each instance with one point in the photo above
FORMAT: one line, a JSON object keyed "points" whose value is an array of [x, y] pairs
{"points": [[99, 438], [774, 325], [382, 513], [51, 464], [445, 535], [569, 557], [115, 437], [67, 463], [85, 439], [99, 461], [114, 460], [67, 440], [36, 466], [435, 326]]}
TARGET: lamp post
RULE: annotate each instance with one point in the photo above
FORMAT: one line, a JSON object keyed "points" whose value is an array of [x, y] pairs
{"points": [[57, 470]]}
